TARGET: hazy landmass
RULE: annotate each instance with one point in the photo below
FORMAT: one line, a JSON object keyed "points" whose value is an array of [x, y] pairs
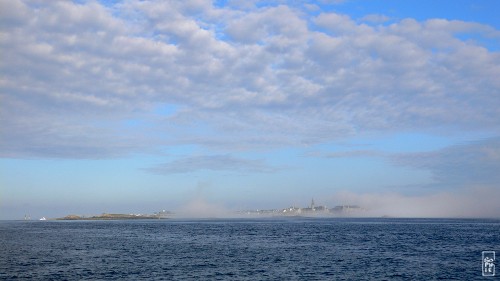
{"points": [[113, 217], [117, 216]]}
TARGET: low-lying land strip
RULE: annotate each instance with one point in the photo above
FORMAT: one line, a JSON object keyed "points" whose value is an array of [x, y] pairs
{"points": [[114, 217]]}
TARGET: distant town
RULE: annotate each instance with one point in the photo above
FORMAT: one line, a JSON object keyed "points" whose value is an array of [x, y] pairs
{"points": [[311, 211]]}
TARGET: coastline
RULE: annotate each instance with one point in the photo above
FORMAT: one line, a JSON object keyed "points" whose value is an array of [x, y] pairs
{"points": [[113, 217]]}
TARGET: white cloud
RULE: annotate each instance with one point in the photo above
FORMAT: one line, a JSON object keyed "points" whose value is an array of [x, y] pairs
{"points": [[337, 23], [12, 12], [457, 166], [475, 163], [211, 163], [271, 22], [256, 77]]}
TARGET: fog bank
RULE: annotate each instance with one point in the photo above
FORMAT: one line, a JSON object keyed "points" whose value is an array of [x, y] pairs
{"points": [[473, 202]]}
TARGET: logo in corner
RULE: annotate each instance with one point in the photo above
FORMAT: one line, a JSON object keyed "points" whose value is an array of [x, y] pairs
{"points": [[488, 263]]}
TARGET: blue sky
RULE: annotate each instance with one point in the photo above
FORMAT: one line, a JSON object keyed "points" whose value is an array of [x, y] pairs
{"points": [[203, 108]]}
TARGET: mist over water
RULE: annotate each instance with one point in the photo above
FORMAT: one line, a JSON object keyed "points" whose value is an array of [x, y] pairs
{"points": [[199, 206], [467, 202], [479, 202]]}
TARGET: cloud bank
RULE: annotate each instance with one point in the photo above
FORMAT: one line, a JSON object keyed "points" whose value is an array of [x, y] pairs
{"points": [[74, 76]]}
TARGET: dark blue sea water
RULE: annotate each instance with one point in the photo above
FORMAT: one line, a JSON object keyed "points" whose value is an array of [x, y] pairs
{"points": [[257, 249]]}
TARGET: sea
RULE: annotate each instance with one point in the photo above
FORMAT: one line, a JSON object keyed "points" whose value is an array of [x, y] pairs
{"points": [[248, 249]]}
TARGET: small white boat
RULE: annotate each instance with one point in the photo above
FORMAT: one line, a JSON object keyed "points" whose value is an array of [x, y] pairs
{"points": [[43, 219]]}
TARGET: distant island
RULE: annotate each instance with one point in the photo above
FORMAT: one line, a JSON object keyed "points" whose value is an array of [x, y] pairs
{"points": [[159, 215]]}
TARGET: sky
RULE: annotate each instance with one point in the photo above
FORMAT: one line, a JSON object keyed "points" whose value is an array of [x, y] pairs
{"points": [[206, 107]]}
